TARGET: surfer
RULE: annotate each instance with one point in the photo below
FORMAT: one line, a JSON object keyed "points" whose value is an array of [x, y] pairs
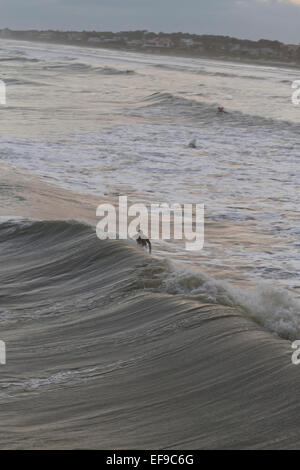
{"points": [[143, 241], [221, 110], [193, 144]]}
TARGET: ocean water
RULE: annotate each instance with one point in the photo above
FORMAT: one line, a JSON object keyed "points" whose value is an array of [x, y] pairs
{"points": [[199, 342]]}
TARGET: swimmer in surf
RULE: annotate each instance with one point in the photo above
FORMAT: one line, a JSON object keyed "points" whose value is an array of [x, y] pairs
{"points": [[193, 144], [143, 241], [221, 110]]}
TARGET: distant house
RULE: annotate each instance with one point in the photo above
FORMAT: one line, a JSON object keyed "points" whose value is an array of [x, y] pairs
{"points": [[135, 42], [254, 52], [235, 48], [290, 51], [250, 51], [293, 47], [186, 42], [267, 51], [108, 39], [160, 41]]}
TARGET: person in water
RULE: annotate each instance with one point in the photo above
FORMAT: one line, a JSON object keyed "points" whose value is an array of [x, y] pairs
{"points": [[193, 144], [221, 110], [143, 241]]}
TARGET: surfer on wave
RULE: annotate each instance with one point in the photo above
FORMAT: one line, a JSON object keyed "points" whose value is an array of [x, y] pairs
{"points": [[143, 241]]}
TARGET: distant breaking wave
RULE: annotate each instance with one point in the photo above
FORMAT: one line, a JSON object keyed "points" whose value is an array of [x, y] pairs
{"points": [[169, 104], [18, 59], [82, 67], [202, 71]]}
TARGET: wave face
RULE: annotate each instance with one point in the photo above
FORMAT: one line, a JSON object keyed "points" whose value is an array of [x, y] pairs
{"points": [[101, 355], [199, 110]]}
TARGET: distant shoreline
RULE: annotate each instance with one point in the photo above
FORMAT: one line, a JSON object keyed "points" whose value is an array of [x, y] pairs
{"points": [[171, 52]]}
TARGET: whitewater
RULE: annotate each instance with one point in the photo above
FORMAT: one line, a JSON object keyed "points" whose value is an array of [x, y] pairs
{"points": [[107, 346]]}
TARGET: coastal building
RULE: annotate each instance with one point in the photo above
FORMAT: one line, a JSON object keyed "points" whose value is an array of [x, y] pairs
{"points": [[235, 48], [250, 51], [108, 39], [187, 42], [290, 51], [160, 41], [267, 52], [135, 42], [94, 39]]}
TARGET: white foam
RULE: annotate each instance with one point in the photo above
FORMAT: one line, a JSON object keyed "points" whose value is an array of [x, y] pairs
{"points": [[274, 308]]}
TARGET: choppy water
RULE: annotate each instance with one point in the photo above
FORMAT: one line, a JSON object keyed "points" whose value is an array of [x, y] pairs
{"points": [[111, 122]]}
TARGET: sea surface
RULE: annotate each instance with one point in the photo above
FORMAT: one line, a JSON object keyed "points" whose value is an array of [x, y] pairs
{"points": [[111, 348]]}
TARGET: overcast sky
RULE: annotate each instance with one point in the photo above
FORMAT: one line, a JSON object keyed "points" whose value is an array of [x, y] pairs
{"points": [[251, 19]]}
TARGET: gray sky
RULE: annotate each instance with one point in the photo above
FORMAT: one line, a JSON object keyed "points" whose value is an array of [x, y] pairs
{"points": [[251, 19]]}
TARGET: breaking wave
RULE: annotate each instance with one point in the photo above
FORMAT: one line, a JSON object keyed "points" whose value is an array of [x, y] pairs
{"points": [[82, 67], [121, 350], [165, 103]]}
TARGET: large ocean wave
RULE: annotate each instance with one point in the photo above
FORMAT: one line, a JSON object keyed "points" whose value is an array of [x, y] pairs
{"points": [[110, 348]]}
